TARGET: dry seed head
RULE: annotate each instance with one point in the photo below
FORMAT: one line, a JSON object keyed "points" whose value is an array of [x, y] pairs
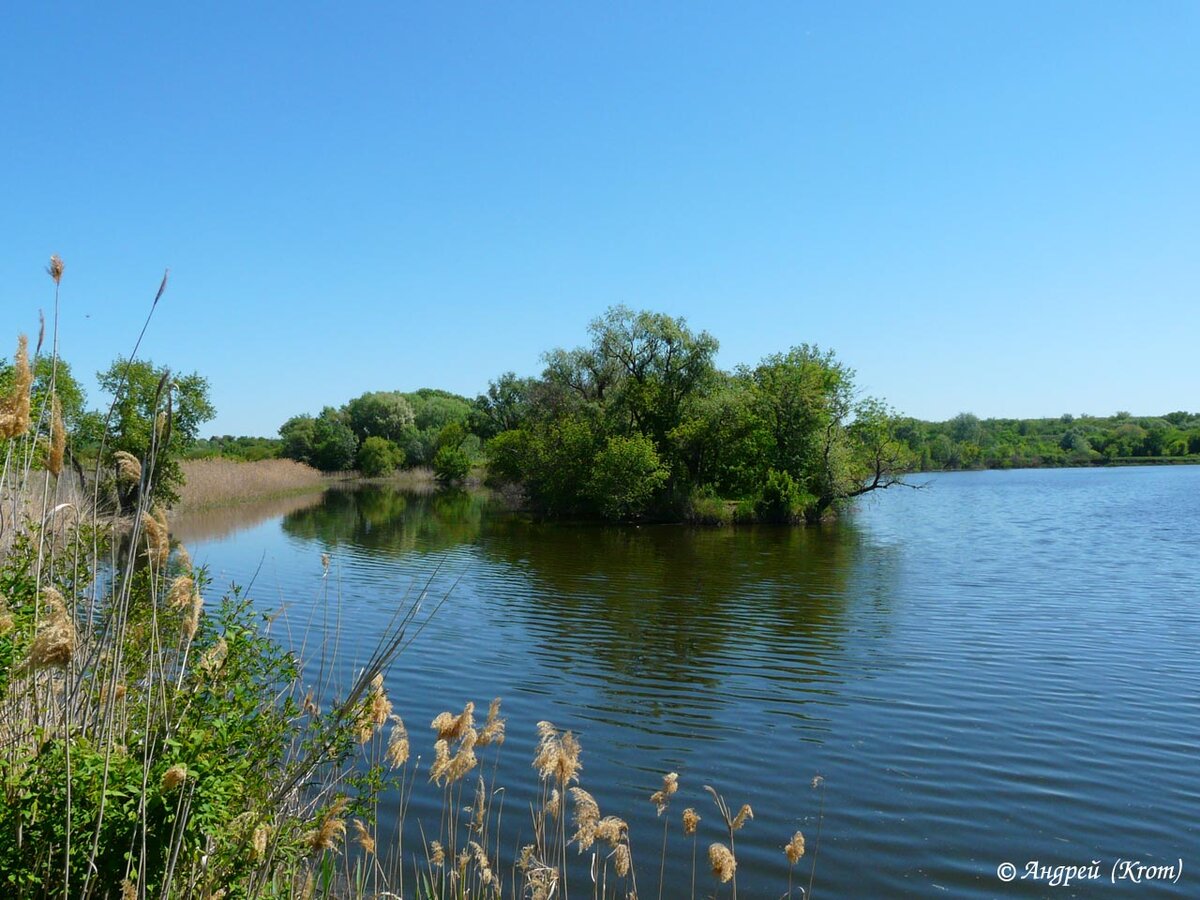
{"points": [[554, 804], [191, 619], [662, 797], [611, 829], [180, 593], [54, 644], [58, 439], [55, 268], [526, 857], [14, 407], [743, 814], [375, 710], [441, 760], [437, 853], [213, 658], [482, 864], [691, 819], [183, 559], [621, 859], [397, 748], [174, 777], [128, 890], [465, 759], [587, 814], [493, 728], [129, 470], [258, 841], [818, 781], [331, 827], [158, 545], [363, 837], [722, 862], [795, 848]]}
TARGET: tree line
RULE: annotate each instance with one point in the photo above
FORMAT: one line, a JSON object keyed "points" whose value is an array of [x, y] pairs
{"points": [[969, 442]]}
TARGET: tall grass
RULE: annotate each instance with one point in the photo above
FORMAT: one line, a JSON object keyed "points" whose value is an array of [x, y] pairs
{"points": [[158, 742], [219, 482]]}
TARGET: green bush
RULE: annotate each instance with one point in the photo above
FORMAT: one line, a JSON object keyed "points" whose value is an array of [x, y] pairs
{"points": [[626, 478], [781, 499], [378, 457], [451, 464]]}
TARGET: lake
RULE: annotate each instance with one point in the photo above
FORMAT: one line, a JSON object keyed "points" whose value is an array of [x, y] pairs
{"points": [[1001, 666]]}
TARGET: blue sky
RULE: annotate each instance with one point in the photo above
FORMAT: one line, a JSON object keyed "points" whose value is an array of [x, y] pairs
{"points": [[984, 207]]}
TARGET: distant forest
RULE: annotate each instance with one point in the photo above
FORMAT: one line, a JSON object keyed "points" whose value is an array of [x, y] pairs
{"points": [[964, 442]]}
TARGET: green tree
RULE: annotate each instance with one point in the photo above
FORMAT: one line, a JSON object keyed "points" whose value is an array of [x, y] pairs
{"points": [[451, 464], [152, 408], [378, 457], [334, 446], [626, 478], [385, 414], [297, 434]]}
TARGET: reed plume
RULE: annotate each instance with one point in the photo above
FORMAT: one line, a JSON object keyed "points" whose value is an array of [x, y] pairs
{"points": [[557, 755], [493, 728], [662, 798], [174, 777], [258, 841], [795, 848], [397, 748], [375, 710], [743, 814], [54, 643], [180, 593], [437, 853], [213, 659], [158, 543], [722, 862], [363, 837], [587, 816], [55, 268], [690, 820], [15, 405], [331, 827], [191, 619], [129, 468]]}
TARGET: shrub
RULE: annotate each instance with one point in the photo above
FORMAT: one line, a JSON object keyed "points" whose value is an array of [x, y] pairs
{"points": [[378, 457], [626, 478], [781, 498], [451, 464]]}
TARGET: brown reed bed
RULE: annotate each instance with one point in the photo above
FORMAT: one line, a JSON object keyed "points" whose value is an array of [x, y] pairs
{"points": [[219, 482]]}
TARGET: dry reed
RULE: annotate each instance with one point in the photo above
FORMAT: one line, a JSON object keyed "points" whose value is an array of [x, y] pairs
{"points": [[215, 482]]}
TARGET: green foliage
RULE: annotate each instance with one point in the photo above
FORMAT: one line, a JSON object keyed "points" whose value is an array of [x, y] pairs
{"points": [[967, 441], [245, 448], [781, 499], [451, 464], [385, 414], [141, 393], [378, 457], [626, 478], [334, 446]]}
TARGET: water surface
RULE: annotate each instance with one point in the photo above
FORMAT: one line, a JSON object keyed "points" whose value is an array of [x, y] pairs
{"points": [[999, 667]]}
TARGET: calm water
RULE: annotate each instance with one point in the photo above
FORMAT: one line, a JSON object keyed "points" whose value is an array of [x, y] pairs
{"points": [[1000, 667]]}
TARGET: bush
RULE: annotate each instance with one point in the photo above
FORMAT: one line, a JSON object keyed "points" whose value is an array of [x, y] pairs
{"points": [[781, 499], [626, 478], [705, 508], [451, 464], [378, 457]]}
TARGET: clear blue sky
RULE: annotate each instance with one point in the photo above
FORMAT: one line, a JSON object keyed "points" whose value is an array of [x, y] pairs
{"points": [[984, 207]]}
